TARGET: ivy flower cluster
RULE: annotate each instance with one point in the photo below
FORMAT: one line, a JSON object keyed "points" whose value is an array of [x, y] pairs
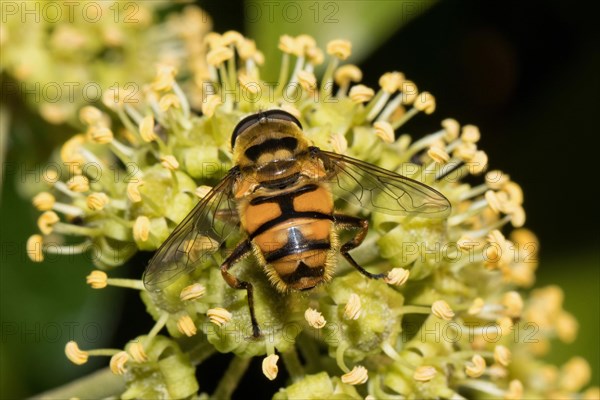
{"points": [[64, 55], [452, 319]]}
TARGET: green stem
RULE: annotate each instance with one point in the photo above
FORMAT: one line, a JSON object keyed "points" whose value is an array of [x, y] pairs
{"points": [[231, 378], [100, 384], [292, 364]]}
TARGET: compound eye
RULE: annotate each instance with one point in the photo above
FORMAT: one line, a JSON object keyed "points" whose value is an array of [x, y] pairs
{"points": [[242, 126], [282, 116], [262, 118]]}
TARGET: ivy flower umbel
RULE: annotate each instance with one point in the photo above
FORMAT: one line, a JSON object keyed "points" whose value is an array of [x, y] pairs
{"points": [[442, 323], [66, 54]]}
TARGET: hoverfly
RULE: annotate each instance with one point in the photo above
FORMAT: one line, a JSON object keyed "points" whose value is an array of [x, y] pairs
{"points": [[280, 195]]}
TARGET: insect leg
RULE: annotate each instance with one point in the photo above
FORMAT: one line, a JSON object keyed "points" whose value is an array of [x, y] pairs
{"points": [[238, 253], [348, 222]]}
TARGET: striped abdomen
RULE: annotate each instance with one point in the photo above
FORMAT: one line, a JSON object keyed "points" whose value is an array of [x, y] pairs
{"points": [[292, 230]]}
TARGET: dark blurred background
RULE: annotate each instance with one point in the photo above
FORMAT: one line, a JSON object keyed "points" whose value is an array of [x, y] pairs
{"points": [[525, 73]]}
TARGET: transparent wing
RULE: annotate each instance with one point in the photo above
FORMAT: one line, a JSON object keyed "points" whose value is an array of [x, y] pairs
{"points": [[378, 189], [199, 235]]}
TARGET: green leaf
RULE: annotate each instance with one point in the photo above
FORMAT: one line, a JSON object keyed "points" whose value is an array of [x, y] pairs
{"points": [[366, 23]]}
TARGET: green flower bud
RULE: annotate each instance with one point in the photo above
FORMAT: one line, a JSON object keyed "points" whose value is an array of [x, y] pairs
{"points": [[167, 372], [378, 322], [318, 386]]}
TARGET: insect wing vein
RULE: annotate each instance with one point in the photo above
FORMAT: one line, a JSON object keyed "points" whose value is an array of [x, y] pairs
{"points": [[381, 190], [199, 235]]}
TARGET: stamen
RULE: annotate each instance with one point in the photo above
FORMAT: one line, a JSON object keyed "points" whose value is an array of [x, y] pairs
{"points": [[68, 209], [304, 43], [169, 162], [75, 354], [344, 75], [219, 316], [101, 135], [357, 376], [183, 101], [122, 151], [438, 155], [133, 192], [566, 327], [353, 308], [250, 85], [133, 114], [516, 213], [78, 184], [361, 94], [493, 201], [141, 228], [46, 222], [575, 374], [496, 179], [339, 48], [90, 115], [425, 102], [314, 318], [473, 209], [470, 134], [165, 77], [397, 276], [97, 201], [384, 130], [476, 367], [473, 192], [505, 325], [409, 91], [389, 82], [136, 349], [339, 143], [186, 325], [476, 307], [424, 373], [389, 350], [146, 128], [168, 101], [288, 45], [34, 248], [210, 105], [465, 151], [515, 390], [502, 355], [69, 249], [314, 56], [118, 361], [442, 310], [514, 192], [269, 366], [192, 292], [307, 81], [451, 127], [513, 304], [97, 279], [43, 201], [339, 356], [478, 163], [231, 38], [218, 55]]}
